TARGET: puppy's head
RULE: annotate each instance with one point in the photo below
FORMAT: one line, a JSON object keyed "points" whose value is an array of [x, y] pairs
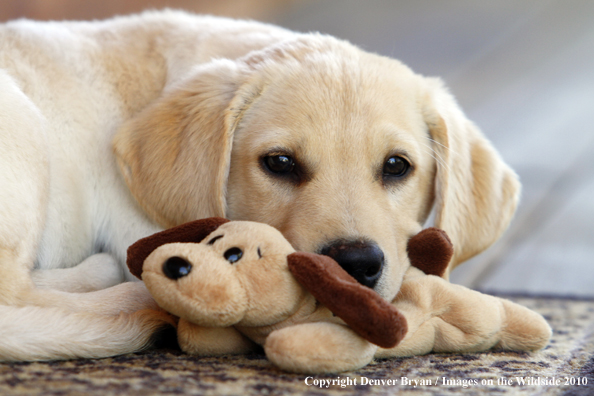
{"points": [[343, 151]]}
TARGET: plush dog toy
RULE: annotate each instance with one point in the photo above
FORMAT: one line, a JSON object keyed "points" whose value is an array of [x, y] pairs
{"points": [[238, 284]]}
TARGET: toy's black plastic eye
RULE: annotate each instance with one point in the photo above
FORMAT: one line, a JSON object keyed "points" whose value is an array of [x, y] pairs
{"points": [[232, 255], [176, 267], [281, 164], [396, 167]]}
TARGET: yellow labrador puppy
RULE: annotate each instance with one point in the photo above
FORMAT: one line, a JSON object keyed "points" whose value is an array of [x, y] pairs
{"points": [[113, 130]]}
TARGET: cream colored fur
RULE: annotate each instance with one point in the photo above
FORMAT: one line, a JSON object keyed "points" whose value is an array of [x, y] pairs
{"points": [[112, 130]]}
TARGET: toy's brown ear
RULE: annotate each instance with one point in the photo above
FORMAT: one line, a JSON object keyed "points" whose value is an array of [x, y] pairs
{"points": [[430, 251], [372, 317], [194, 231]]}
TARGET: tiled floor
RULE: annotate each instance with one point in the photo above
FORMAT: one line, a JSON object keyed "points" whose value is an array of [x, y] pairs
{"points": [[524, 72]]}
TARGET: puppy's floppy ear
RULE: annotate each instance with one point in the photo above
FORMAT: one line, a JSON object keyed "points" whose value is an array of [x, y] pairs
{"points": [[369, 315], [476, 192], [194, 231], [175, 154]]}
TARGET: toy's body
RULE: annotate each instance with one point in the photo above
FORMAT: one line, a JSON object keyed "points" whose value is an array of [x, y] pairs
{"points": [[238, 284], [445, 318], [243, 275]]}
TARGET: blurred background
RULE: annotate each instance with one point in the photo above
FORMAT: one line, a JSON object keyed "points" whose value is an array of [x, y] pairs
{"points": [[522, 70]]}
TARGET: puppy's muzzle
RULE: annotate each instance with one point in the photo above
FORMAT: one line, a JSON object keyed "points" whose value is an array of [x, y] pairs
{"points": [[364, 261]]}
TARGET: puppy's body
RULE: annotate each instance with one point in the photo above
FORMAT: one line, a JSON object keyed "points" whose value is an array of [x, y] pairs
{"points": [[113, 130], [82, 80]]}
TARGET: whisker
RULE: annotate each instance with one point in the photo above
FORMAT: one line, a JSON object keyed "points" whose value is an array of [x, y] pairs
{"points": [[438, 160], [435, 155], [452, 152]]}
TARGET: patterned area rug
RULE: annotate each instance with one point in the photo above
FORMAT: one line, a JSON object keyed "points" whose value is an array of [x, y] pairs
{"points": [[565, 367]]}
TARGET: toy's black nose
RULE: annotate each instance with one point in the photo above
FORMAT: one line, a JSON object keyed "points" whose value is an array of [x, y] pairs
{"points": [[176, 267], [364, 261]]}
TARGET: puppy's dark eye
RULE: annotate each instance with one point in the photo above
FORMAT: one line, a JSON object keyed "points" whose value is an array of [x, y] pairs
{"points": [[395, 167], [281, 164], [232, 255]]}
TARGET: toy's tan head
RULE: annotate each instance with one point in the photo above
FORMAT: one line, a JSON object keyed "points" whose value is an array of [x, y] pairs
{"points": [[238, 274]]}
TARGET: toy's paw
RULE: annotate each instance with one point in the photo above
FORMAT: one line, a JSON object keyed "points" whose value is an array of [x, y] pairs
{"points": [[523, 329], [316, 348], [212, 341]]}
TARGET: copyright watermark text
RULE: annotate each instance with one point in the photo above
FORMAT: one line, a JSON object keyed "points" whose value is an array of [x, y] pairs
{"points": [[344, 382]]}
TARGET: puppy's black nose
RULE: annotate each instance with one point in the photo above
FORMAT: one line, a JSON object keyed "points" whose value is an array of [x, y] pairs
{"points": [[364, 261], [176, 267]]}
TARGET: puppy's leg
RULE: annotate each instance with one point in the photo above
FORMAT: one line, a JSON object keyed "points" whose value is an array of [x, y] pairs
{"points": [[97, 272], [126, 297], [113, 321], [24, 181], [36, 333]]}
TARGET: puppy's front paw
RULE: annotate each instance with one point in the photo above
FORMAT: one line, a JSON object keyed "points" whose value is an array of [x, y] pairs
{"points": [[96, 272], [100, 271]]}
